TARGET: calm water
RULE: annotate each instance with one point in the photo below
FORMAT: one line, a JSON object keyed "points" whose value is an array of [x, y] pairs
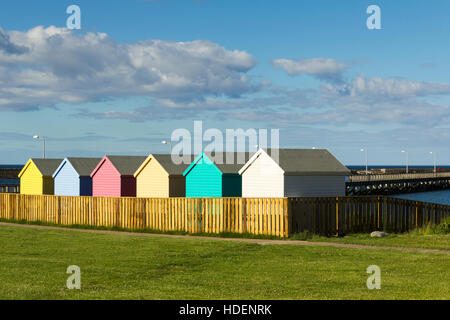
{"points": [[11, 166], [441, 197]]}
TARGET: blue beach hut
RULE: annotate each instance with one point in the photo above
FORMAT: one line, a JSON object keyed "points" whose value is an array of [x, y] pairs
{"points": [[215, 175], [72, 177]]}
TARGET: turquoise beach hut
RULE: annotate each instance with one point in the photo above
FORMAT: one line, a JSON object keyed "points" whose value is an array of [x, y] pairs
{"points": [[209, 175]]}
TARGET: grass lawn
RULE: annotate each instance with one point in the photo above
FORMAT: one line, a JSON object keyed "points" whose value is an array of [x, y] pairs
{"points": [[33, 266], [408, 240]]}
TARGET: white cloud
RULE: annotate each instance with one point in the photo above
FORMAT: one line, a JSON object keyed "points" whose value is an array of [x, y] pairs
{"points": [[45, 66], [365, 101], [7, 46], [379, 89], [323, 68]]}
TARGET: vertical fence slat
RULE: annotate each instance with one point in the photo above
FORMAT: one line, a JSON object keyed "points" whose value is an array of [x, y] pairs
{"points": [[267, 216]]}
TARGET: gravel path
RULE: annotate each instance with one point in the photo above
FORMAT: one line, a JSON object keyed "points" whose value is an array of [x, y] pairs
{"points": [[257, 241]]}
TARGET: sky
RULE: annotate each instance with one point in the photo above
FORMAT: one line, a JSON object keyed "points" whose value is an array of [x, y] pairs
{"points": [[137, 70]]}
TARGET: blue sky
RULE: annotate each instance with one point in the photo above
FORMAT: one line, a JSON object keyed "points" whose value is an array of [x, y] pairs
{"points": [[137, 70]]}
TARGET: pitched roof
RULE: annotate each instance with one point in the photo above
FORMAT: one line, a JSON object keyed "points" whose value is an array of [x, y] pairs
{"points": [[165, 160], [84, 166], [47, 166], [226, 162], [306, 162], [126, 165]]}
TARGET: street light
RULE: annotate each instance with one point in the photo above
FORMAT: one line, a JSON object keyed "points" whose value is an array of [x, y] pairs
{"points": [[43, 140], [169, 143], [406, 152], [365, 150], [434, 161]]}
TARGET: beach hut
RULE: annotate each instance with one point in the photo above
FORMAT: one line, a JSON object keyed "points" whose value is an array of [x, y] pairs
{"points": [[296, 173], [72, 177], [215, 175], [36, 176], [160, 177], [114, 176]]}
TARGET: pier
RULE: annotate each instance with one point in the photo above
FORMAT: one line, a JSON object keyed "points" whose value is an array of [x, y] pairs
{"points": [[9, 186], [386, 184], [357, 184], [9, 181]]}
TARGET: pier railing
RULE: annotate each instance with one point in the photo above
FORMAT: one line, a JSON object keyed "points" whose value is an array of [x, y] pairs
{"points": [[397, 177], [280, 217]]}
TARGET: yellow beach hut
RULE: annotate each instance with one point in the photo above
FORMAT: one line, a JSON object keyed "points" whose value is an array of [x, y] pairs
{"points": [[160, 177], [36, 176]]}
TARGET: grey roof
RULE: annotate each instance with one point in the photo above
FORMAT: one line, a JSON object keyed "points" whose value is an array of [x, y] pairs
{"points": [[167, 163], [309, 162], [127, 165], [84, 166], [220, 160], [47, 166]]}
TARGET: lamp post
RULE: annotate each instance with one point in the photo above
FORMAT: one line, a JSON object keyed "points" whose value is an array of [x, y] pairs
{"points": [[43, 141], [169, 143], [434, 161], [367, 169], [406, 152]]}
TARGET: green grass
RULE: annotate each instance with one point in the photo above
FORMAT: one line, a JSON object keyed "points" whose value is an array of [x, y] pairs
{"points": [[407, 240], [428, 237], [145, 230], [34, 261]]}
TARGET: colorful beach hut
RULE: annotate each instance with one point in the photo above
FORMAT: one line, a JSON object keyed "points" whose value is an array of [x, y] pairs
{"points": [[293, 173], [160, 177], [114, 176], [215, 175], [36, 176], [72, 177]]}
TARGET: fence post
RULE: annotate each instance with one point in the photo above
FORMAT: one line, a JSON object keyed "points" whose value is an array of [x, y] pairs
{"points": [[288, 217], [383, 219], [337, 216], [417, 214], [378, 213], [59, 210]]}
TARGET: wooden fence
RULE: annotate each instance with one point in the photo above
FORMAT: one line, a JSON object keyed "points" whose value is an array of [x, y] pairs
{"points": [[261, 216], [266, 216], [361, 214]]}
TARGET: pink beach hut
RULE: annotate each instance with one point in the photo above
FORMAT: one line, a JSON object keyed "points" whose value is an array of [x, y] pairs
{"points": [[113, 176]]}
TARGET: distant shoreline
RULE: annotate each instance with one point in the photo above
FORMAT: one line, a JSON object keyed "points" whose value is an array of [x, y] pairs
{"points": [[11, 166], [351, 167], [360, 167]]}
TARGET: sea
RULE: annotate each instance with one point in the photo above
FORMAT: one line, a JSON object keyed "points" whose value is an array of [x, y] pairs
{"points": [[359, 167], [11, 166], [441, 197]]}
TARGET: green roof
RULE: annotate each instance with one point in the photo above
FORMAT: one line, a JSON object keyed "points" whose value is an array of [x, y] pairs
{"points": [[239, 159], [47, 166], [84, 166], [308, 162], [127, 165], [165, 160]]}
